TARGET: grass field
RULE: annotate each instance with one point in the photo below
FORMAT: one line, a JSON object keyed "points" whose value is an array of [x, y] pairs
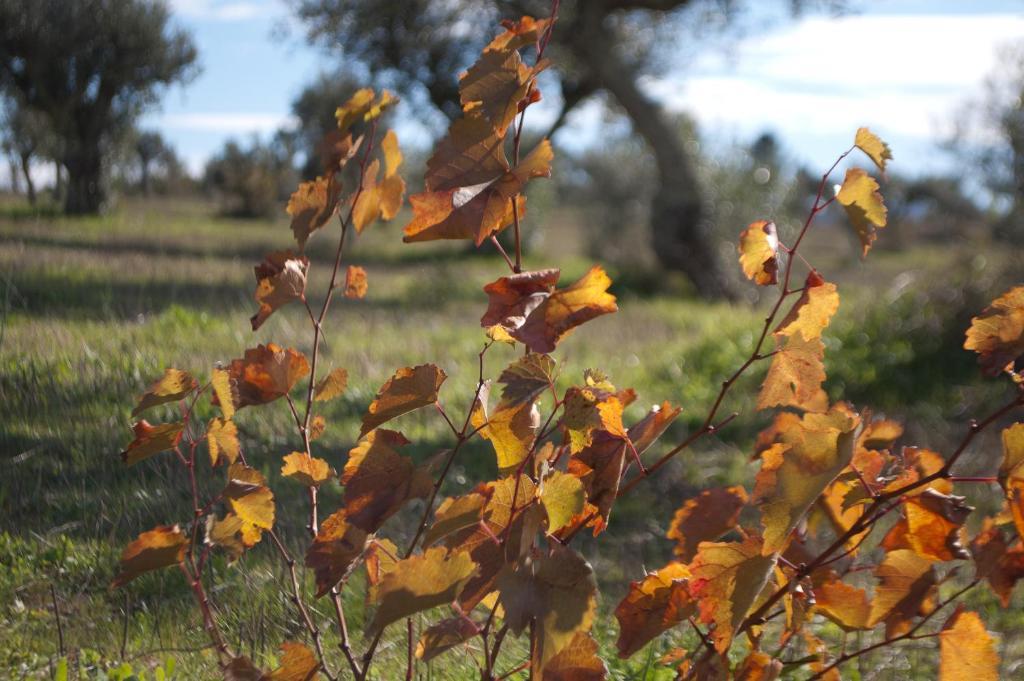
{"points": [[95, 309]]}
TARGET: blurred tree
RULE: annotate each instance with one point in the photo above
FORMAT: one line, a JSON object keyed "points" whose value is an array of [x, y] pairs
{"points": [[26, 137], [600, 46], [251, 182], [149, 146], [90, 66]]}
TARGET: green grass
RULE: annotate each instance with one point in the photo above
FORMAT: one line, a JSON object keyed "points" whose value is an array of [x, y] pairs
{"points": [[94, 309]]}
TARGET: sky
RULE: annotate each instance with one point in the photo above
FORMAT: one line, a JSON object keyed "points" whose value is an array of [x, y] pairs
{"points": [[902, 67]]}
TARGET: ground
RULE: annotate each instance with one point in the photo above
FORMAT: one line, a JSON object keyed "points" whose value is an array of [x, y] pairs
{"points": [[94, 309]]}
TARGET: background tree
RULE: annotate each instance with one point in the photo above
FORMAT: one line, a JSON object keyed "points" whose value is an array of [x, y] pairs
{"points": [[27, 139], [251, 181], [602, 47], [115, 57], [149, 146]]}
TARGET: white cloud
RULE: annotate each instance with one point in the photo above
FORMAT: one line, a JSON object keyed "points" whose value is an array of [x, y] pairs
{"points": [[242, 123], [218, 10]]}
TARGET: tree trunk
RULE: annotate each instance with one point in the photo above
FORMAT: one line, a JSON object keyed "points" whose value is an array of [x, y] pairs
{"points": [[678, 233], [85, 193], [145, 178], [15, 173], [26, 170], [58, 182]]}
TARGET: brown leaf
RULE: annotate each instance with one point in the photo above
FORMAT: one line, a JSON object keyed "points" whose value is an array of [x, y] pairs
{"points": [[280, 279], [379, 481], [306, 470], [160, 547], [355, 282], [332, 385], [419, 583], [311, 206], [266, 373], [705, 517], [997, 334], [795, 376], [173, 385], [655, 604], [726, 578], [759, 253], [905, 585], [494, 86], [334, 551], [966, 649], [409, 389], [577, 661], [458, 513], [444, 636], [864, 206], [566, 309], [996, 562], [526, 378], [222, 441], [150, 440], [510, 300], [243, 669], [471, 154]]}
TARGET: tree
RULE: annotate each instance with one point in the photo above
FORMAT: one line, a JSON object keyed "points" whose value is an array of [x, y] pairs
{"points": [[251, 181], [25, 137], [149, 146], [603, 46], [91, 67]]}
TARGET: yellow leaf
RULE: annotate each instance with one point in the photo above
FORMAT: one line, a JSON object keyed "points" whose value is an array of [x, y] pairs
{"points": [[864, 206], [872, 145], [332, 385], [967, 650], [562, 496], [173, 385], [224, 392], [811, 314], [906, 581], [796, 470], [997, 334], [510, 428], [795, 376], [759, 253], [298, 663], [249, 497], [363, 107], [458, 513], [408, 389], [419, 583], [306, 470], [160, 547], [150, 440], [222, 441], [577, 661]]}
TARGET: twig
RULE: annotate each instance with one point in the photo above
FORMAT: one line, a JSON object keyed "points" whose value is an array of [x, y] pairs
{"points": [[60, 627]]}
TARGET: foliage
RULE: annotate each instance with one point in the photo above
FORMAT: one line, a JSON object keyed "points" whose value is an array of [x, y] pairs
{"points": [[250, 181], [761, 576]]}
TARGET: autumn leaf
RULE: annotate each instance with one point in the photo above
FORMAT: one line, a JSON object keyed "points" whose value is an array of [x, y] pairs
{"points": [[363, 107], [380, 200], [172, 386], [997, 334], [797, 469], [562, 496], [334, 551], [306, 470], [526, 378], [445, 635], [872, 145], [759, 666], [725, 579], [494, 86], [759, 253], [654, 604], [966, 649], [810, 315], [265, 373], [332, 385], [458, 513], [311, 206], [795, 376], [932, 526], [1001, 565], [280, 279], [408, 389], [419, 583], [577, 661], [511, 299], [510, 427], [470, 155], [566, 309], [250, 499], [379, 481], [232, 534], [298, 663], [160, 547], [906, 581], [242, 668], [224, 392], [355, 282], [647, 430], [150, 440], [336, 149], [526, 31], [222, 441], [864, 206], [705, 517], [846, 605], [556, 589]]}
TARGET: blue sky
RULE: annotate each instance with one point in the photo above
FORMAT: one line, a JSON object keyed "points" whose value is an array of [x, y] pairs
{"points": [[902, 67]]}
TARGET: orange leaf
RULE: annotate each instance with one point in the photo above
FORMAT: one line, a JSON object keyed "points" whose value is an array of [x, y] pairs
{"points": [[577, 661], [280, 279], [864, 206], [795, 376], [967, 650], [1001, 566], [810, 314], [355, 282], [332, 385], [173, 385], [306, 470], [845, 605], [334, 551], [222, 441], [298, 663], [160, 547], [408, 389], [932, 526], [311, 206], [759, 253], [906, 582], [705, 517], [379, 481], [265, 373], [655, 604], [526, 31], [494, 86], [997, 334], [150, 440], [758, 666]]}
